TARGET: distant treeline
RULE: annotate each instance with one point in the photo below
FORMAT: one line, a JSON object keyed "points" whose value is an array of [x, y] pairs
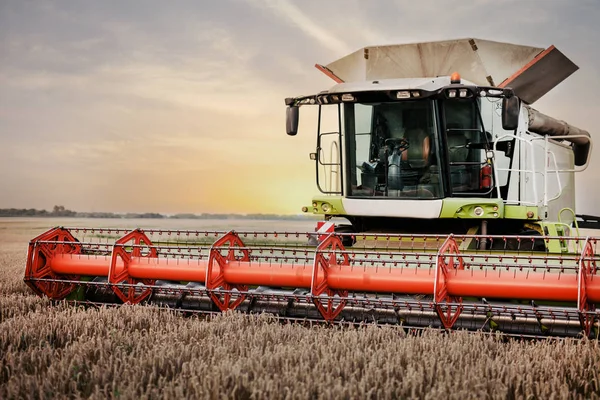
{"points": [[60, 211]]}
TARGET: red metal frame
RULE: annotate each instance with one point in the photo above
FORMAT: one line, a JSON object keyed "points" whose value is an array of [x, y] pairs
{"points": [[451, 279], [325, 259], [587, 269], [127, 248], [448, 261], [215, 277], [38, 263], [56, 261], [329, 73]]}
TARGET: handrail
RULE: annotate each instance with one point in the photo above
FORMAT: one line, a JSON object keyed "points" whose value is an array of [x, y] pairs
{"points": [[530, 141], [334, 168]]}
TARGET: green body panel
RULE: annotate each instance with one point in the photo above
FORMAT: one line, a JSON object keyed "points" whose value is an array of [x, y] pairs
{"points": [[556, 229], [454, 207], [334, 202], [520, 212], [463, 208]]}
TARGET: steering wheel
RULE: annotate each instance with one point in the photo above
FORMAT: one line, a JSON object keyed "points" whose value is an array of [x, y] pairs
{"points": [[397, 143]]}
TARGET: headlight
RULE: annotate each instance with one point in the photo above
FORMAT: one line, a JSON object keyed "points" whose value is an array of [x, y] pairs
{"points": [[325, 207], [478, 211]]}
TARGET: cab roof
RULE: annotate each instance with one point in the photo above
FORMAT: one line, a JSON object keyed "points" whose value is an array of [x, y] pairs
{"points": [[426, 84]]}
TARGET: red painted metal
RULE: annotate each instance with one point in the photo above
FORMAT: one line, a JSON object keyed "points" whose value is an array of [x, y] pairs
{"points": [[76, 264], [170, 270], [324, 229], [56, 256], [326, 257], [448, 260], [270, 274], [134, 244], [587, 268], [329, 73], [499, 283], [215, 277], [485, 177], [57, 241]]}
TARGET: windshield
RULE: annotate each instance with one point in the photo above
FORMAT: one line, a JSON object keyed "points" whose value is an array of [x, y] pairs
{"points": [[392, 150]]}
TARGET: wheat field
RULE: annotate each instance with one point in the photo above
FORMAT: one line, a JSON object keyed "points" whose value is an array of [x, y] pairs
{"points": [[59, 351]]}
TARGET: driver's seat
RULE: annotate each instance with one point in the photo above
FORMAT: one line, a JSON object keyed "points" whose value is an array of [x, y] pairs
{"points": [[419, 150], [416, 158]]}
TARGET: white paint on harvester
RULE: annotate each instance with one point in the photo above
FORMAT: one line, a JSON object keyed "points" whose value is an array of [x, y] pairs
{"points": [[393, 207], [325, 227]]}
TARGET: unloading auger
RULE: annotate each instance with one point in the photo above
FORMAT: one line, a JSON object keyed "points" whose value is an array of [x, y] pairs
{"points": [[441, 281]]}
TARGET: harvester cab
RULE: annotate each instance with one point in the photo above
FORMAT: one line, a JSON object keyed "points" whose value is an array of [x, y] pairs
{"points": [[440, 137]]}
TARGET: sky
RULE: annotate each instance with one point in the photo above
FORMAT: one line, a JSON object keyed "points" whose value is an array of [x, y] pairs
{"points": [[178, 106]]}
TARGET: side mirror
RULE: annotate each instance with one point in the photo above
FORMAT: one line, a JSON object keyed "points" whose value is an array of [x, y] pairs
{"points": [[510, 113], [292, 115]]}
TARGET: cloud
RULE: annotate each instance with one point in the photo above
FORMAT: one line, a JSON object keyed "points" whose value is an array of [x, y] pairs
{"points": [[177, 106], [217, 79], [302, 21]]}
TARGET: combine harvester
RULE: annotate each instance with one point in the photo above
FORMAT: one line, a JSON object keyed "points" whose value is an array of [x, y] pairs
{"points": [[458, 198]]}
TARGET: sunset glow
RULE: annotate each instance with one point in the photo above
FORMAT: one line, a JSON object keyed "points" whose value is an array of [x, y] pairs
{"points": [[178, 107]]}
